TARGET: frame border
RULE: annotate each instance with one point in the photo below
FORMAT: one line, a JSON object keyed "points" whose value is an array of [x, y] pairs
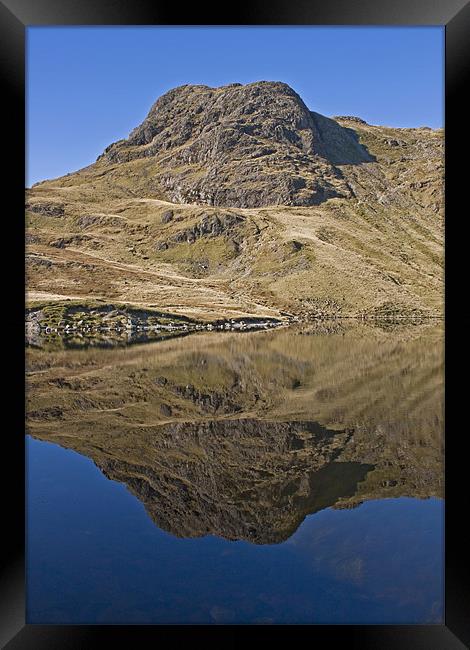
{"points": [[15, 16]]}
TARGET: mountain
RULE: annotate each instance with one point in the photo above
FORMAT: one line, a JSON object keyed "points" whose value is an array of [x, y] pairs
{"points": [[238, 202], [240, 146]]}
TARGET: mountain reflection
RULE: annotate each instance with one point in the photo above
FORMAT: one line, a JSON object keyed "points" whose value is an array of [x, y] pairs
{"points": [[243, 435]]}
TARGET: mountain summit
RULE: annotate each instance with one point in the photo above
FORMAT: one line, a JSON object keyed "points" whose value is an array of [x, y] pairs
{"points": [[242, 146]]}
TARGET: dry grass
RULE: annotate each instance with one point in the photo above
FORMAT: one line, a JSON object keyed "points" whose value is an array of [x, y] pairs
{"points": [[382, 247]]}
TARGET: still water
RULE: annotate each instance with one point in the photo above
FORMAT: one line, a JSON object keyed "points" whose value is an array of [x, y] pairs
{"points": [[289, 476]]}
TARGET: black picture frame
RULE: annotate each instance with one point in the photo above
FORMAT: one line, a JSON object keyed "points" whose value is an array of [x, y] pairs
{"points": [[15, 16]]}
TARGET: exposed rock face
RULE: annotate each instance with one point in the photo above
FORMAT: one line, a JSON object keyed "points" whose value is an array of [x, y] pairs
{"points": [[243, 146], [209, 226], [48, 209], [167, 216]]}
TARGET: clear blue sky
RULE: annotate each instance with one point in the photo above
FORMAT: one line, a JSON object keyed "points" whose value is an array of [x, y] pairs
{"points": [[90, 86]]}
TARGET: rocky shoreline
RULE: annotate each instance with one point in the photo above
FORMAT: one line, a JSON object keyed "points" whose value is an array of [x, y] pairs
{"points": [[64, 319], [59, 318], [109, 325]]}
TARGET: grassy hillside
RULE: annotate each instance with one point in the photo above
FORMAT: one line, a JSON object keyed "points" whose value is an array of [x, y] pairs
{"points": [[109, 233]]}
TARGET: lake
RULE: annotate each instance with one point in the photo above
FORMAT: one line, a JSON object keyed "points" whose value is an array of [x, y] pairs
{"points": [[284, 476]]}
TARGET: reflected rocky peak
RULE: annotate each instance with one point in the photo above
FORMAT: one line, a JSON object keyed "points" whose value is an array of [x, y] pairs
{"points": [[243, 435], [240, 479]]}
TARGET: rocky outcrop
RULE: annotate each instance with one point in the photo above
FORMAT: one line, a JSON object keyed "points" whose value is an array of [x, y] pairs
{"points": [[241, 146], [46, 208], [167, 216], [350, 118], [209, 226]]}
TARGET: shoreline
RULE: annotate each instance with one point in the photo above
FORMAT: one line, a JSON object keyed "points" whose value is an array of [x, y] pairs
{"points": [[109, 325], [55, 317]]}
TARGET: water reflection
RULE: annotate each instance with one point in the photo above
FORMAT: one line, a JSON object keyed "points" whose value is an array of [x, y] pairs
{"points": [[241, 435]]}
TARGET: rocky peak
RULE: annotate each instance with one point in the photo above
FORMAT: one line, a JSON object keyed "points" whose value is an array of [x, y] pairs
{"points": [[270, 110], [241, 145]]}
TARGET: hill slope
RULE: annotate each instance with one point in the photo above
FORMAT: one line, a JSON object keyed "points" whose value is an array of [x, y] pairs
{"points": [[239, 201]]}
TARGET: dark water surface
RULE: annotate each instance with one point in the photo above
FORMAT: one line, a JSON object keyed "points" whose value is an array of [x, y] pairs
{"points": [[290, 476]]}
